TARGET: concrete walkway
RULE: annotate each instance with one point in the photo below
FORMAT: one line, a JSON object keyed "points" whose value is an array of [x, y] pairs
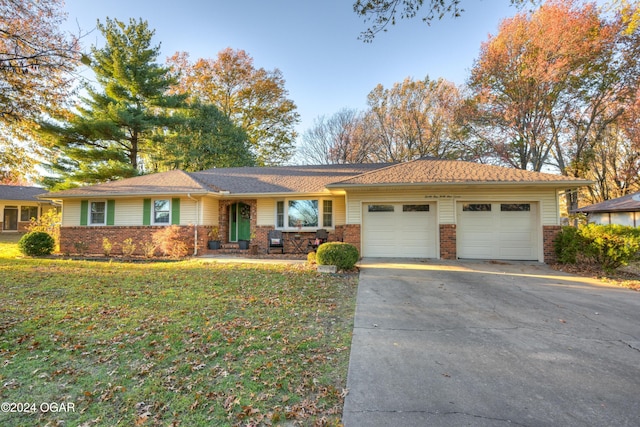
{"points": [[491, 344]]}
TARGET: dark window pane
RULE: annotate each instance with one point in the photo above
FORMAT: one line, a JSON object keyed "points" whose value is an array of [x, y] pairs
{"points": [[515, 207], [476, 207], [380, 208], [415, 208]]}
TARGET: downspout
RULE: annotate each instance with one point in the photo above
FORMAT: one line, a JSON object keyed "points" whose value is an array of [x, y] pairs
{"points": [[195, 229]]}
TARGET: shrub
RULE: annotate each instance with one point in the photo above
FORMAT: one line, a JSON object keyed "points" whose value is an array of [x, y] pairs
{"points": [[342, 255], [311, 258], [567, 245], [611, 246], [36, 243], [128, 247], [49, 222], [171, 242], [107, 246], [149, 249]]}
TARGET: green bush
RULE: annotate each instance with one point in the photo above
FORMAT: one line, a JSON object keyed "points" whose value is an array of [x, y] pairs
{"points": [[342, 255], [36, 243], [611, 246], [567, 245]]}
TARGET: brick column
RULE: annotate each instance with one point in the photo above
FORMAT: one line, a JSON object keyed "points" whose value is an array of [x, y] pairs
{"points": [[351, 234], [549, 234], [448, 248]]}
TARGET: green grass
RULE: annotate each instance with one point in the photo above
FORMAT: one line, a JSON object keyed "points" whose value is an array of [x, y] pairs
{"points": [[8, 245], [185, 343]]}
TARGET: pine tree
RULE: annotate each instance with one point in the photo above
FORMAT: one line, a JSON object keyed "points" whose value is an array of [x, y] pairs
{"points": [[126, 116]]}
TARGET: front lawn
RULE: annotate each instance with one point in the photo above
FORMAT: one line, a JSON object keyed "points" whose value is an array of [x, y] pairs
{"points": [[185, 343]]}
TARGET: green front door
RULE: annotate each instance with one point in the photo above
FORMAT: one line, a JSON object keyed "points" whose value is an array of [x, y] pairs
{"points": [[240, 222]]}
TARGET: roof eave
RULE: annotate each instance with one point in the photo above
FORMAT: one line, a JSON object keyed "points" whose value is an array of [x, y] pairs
{"points": [[554, 184], [54, 196]]}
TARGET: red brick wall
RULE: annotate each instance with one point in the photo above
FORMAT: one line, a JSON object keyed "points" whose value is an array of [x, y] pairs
{"points": [[351, 234], [91, 238], [448, 248], [549, 234]]}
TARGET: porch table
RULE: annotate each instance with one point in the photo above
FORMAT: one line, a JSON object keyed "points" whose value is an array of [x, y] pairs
{"points": [[298, 242]]}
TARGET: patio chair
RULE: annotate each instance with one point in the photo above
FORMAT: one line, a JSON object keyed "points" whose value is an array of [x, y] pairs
{"points": [[275, 240], [322, 236]]}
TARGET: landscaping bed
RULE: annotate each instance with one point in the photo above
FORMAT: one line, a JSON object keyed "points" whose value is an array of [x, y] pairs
{"points": [[182, 343]]}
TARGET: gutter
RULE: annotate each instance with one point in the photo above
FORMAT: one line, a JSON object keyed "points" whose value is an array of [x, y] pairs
{"points": [[557, 184]]}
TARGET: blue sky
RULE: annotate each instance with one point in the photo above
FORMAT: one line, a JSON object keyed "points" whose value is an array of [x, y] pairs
{"points": [[314, 44]]}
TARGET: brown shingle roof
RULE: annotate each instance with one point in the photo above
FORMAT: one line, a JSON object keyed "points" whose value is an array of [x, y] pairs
{"points": [[281, 179], [244, 180], [628, 203], [314, 179], [429, 171], [172, 182]]}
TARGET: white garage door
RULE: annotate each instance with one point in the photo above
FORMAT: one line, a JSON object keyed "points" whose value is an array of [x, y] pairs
{"points": [[497, 231], [406, 230]]}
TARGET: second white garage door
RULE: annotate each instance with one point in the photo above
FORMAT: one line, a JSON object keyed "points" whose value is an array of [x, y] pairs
{"points": [[498, 231], [406, 230]]}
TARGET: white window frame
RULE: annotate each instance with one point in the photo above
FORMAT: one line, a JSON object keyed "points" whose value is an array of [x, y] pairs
{"points": [[153, 212], [90, 212], [320, 201]]}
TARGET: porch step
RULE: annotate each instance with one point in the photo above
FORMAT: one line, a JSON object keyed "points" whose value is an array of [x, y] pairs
{"points": [[226, 246]]}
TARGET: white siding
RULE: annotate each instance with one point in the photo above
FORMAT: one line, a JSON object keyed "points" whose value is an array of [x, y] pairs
{"points": [[446, 200], [339, 211], [188, 211], [266, 212], [128, 212], [210, 213], [71, 213]]}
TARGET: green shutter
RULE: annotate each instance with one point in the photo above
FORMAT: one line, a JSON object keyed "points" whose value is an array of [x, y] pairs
{"points": [[84, 212], [146, 212], [111, 212], [175, 211]]}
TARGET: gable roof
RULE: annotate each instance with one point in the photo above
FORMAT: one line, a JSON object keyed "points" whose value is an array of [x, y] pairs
{"points": [[282, 179], [20, 192], [628, 203], [241, 180], [172, 182], [433, 172], [315, 179]]}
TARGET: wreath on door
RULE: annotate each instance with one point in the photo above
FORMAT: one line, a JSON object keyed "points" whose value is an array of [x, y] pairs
{"points": [[245, 211]]}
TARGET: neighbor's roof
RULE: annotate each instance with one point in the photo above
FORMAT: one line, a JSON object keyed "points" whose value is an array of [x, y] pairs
{"points": [[628, 203], [430, 171], [20, 192]]}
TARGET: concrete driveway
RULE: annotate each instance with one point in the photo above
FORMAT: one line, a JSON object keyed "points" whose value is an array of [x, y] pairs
{"points": [[441, 343]]}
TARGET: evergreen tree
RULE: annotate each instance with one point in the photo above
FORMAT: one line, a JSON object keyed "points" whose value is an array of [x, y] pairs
{"points": [[128, 115], [205, 139]]}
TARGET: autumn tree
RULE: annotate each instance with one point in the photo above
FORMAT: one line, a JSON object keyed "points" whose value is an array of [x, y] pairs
{"points": [[253, 98], [413, 119], [109, 132], [36, 64], [549, 85], [338, 139]]}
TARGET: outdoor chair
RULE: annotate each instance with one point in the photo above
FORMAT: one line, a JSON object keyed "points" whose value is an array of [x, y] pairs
{"points": [[275, 241], [322, 236]]}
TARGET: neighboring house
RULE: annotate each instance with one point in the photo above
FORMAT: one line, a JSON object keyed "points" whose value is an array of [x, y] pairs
{"points": [[623, 210], [19, 204], [423, 208]]}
